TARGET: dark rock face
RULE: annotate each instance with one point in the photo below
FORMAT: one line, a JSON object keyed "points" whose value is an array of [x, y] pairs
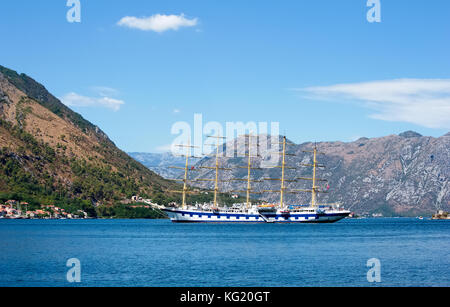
{"points": [[4, 98], [394, 175], [410, 134]]}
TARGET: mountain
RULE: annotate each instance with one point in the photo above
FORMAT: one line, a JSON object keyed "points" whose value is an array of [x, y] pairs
{"points": [[48, 153], [406, 174], [160, 163]]}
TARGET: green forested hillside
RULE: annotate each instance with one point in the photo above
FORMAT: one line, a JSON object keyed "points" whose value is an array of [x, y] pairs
{"points": [[50, 155], [72, 164]]}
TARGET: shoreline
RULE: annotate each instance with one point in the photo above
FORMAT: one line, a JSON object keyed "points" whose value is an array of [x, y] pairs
{"points": [[167, 219]]}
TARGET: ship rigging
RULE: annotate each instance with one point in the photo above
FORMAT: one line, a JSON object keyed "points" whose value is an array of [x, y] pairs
{"points": [[249, 212]]}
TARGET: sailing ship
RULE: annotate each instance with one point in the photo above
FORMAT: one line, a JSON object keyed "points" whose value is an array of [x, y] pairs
{"points": [[283, 212]]}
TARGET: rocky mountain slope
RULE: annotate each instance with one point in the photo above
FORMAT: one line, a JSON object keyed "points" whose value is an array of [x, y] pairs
{"points": [[406, 174], [160, 163], [48, 152]]}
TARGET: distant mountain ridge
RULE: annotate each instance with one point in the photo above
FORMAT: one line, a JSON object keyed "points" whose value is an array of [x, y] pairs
{"points": [[406, 174], [160, 163]]}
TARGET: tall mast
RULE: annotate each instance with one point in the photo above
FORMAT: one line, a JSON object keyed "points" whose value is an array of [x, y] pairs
{"points": [[315, 165], [283, 166], [186, 173], [216, 168], [216, 182], [283, 179], [249, 185], [314, 187], [188, 152], [249, 168]]}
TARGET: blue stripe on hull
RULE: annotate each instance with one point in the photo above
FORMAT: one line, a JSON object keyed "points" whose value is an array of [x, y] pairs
{"points": [[257, 222], [204, 217]]}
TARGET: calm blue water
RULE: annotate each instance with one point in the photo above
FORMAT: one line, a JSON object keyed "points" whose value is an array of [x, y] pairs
{"points": [[159, 253]]}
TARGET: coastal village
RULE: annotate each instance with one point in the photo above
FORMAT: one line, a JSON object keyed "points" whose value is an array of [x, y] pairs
{"points": [[441, 215], [13, 209]]}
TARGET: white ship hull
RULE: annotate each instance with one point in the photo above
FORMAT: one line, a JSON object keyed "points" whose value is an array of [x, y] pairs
{"points": [[200, 216]]}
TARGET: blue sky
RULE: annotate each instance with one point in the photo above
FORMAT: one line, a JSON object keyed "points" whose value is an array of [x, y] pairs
{"points": [[317, 67]]}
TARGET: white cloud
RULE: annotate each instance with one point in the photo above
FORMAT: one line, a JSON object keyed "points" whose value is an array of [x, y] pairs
{"points": [[75, 100], [176, 111], [424, 102], [158, 23]]}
